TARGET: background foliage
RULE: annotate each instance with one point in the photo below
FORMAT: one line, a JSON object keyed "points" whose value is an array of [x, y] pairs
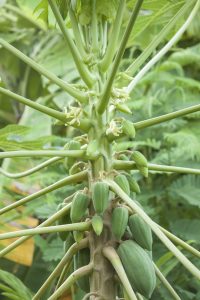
{"points": [[172, 200]]}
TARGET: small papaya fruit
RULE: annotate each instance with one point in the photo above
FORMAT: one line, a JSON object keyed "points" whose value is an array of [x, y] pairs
{"points": [[79, 206], [141, 232], [122, 181], [119, 221], [100, 196]]}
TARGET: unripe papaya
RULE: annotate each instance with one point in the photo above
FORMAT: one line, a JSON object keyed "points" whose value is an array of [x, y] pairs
{"points": [[119, 221], [128, 128], [97, 224], [100, 196], [76, 168], [144, 171], [93, 149], [141, 232], [79, 206], [123, 108], [139, 159], [72, 145], [134, 187], [123, 157], [122, 181], [78, 236], [64, 219], [82, 258], [139, 268]]}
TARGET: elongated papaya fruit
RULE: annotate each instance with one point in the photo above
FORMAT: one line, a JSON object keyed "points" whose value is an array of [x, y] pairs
{"points": [[79, 206], [82, 258], [141, 231], [78, 236], [93, 149], [144, 171], [123, 108], [100, 196], [72, 145], [139, 267], [65, 219], [139, 159], [134, 187], [119, 221], [128, 128], [122, 181]]}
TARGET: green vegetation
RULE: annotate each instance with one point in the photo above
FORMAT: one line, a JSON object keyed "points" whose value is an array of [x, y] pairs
{"points": [[99, 140]]}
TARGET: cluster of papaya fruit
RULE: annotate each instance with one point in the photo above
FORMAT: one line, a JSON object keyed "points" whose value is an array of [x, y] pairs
{"points": [[130, 232]]}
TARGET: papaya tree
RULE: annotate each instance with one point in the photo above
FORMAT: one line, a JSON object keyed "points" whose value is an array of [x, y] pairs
{"points": [[105, 231]]}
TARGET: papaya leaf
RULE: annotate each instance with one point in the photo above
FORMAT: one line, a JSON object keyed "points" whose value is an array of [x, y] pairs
{"points": [[187, 229], [186, 190]]}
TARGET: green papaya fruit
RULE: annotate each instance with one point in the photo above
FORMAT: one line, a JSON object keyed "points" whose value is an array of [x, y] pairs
{"points": [[119, 221], [78, 236], [128, 128], [139, 159], [134, 187], [141, 232], [139, 267], [122, 181], [79, 206], [100, 196], [72, 145]]}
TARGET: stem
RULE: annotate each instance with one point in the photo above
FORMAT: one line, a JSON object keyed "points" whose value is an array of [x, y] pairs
{"points": [[22, 14], [155, 42], [87, 296], [48, 222], [41, 153], [107, 89], [105, 36], [173, 169], [139, 297], [61, 277], [65, 261], [113, 257], [84, 271], [63, 182], [80, 96], [166, 283], [94, 28], [83, 71], [82, 226], [164, 50], [39, 107], [130, 165], [111, 49], [155, 228], [166, 117], [76, 31], [180, 242], [30, 171]]}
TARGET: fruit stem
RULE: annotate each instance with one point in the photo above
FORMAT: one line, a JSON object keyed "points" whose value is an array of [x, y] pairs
{"points": [[112, 256], [63, 182], [84, 271], [65, 262], [166, 283]]}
